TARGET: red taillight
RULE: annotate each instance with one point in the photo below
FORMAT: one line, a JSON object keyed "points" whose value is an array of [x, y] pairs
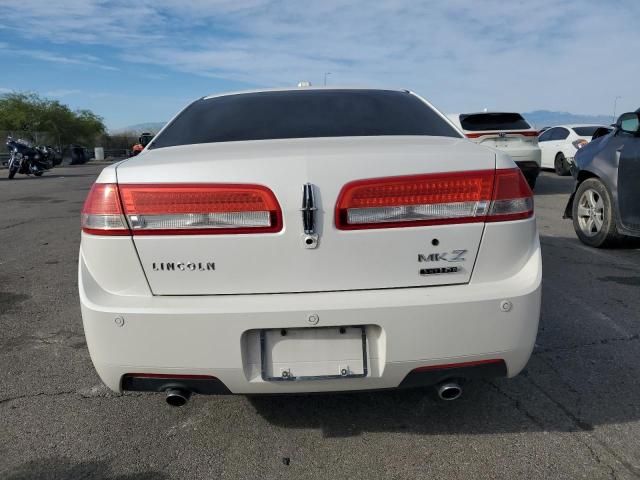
{"points": [[193, 209], [523, 133], [434, 199], [102, 212], [512, 198]]}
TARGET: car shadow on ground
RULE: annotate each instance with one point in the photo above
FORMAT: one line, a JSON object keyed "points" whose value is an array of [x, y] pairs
{"points": [[583, 372], [551, 184], [550, 395], [63, 469]]}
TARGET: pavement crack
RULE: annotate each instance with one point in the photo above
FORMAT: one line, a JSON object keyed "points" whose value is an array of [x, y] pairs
{"points": [[577, 422], [34, 395], [604, 341], [588, 429], [516, 403], [12, 225]]}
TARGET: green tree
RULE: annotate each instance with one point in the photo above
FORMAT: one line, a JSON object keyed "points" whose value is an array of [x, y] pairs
{"points": [[33, 114]]}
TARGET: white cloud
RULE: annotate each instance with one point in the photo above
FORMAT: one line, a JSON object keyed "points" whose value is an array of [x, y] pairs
{"points": [[60, 93], [49, 56], [463, 54]]}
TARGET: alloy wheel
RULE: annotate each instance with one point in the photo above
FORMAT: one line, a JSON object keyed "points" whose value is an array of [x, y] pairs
{"points": [[590, 212]]}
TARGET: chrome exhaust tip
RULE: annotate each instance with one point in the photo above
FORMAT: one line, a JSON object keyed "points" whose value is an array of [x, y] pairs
{"points": [[177, 397], [450, 390]]}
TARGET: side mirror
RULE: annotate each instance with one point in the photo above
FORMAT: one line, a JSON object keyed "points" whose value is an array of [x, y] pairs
{"points": [[629, 123]]}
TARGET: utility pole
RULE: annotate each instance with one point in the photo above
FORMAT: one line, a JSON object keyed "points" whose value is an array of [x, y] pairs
{"points": [[615, 104], [325, 77]]}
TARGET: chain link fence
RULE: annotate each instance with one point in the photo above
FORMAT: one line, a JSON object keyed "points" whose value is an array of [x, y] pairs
{"points": [[51, 139], [116, 153]]}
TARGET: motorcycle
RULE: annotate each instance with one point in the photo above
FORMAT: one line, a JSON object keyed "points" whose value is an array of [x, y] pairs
{"points": [[51, 154], [28, 159]]}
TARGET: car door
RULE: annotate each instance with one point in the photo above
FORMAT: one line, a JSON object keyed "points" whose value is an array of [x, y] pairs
{"points": [[559, 138], [555, 145], [544, 142], [628, 153]]}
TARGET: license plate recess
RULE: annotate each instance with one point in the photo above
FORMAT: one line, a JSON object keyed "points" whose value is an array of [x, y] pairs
{"points": [[321, 353]]}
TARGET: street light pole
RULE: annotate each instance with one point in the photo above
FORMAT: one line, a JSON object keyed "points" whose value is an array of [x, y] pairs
{"points": [[325, 77], [615, 104]]}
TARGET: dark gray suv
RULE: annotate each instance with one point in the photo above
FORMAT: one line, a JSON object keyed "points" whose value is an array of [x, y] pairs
{"points": [[605, 205]]}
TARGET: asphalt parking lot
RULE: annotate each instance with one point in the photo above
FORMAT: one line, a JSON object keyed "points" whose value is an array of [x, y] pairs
{"points": [[574, 412]]}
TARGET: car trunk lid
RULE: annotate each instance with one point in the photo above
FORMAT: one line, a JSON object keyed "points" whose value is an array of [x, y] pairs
{"points": [[281, 261]]}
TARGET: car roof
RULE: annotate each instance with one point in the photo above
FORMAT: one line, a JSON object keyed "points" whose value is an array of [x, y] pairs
{"points": [[298, 89], [482, 113], [578, 125]]}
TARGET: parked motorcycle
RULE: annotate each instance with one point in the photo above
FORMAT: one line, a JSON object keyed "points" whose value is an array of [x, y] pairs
{"points": [[28, 159], [52, 154]]}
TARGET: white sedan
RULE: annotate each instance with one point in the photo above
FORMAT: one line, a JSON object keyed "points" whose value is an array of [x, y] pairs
{"points": [[559, 145], [309, 240]]}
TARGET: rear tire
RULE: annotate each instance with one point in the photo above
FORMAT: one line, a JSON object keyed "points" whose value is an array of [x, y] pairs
{"points": [[594, 218], [560, 165], [38, 174]]}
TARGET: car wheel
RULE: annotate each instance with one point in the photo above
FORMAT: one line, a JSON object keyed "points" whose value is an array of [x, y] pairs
{"points": [[594, 218], [561, 166]]}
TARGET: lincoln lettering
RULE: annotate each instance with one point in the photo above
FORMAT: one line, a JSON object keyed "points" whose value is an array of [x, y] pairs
{"points": [[183, 266]]}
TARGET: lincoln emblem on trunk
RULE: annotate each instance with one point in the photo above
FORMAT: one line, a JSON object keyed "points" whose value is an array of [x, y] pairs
{"points": [[310, 237]]}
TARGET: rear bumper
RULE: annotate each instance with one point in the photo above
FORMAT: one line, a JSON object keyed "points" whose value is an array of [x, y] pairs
{"points": [[407, 329], [209, 385], [529, 169], [527, 155]]}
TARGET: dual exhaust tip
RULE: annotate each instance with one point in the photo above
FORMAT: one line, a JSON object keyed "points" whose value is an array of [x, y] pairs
{"points": [[447, 391]]}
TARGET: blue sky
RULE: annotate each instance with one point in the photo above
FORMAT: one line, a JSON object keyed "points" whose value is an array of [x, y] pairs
{"points": [[134, 62]]}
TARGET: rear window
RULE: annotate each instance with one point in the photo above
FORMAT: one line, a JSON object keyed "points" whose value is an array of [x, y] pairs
{"points": [[303, 114], [476, 122], [586, 131]]}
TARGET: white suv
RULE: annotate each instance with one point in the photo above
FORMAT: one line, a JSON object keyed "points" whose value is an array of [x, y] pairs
{"points": [[505, 131], [309, 240]]}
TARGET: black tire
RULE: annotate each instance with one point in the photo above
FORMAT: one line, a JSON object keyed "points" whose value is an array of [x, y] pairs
{"points": [[560, 165], [38, 174], [592, 206], [13, 168]]}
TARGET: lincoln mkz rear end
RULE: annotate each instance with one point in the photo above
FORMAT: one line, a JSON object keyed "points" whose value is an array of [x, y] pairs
{"points": [[309, 240]]}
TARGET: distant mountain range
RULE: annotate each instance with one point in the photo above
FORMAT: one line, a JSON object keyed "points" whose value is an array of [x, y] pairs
{"points": [[151, 127], [538, 118]]}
